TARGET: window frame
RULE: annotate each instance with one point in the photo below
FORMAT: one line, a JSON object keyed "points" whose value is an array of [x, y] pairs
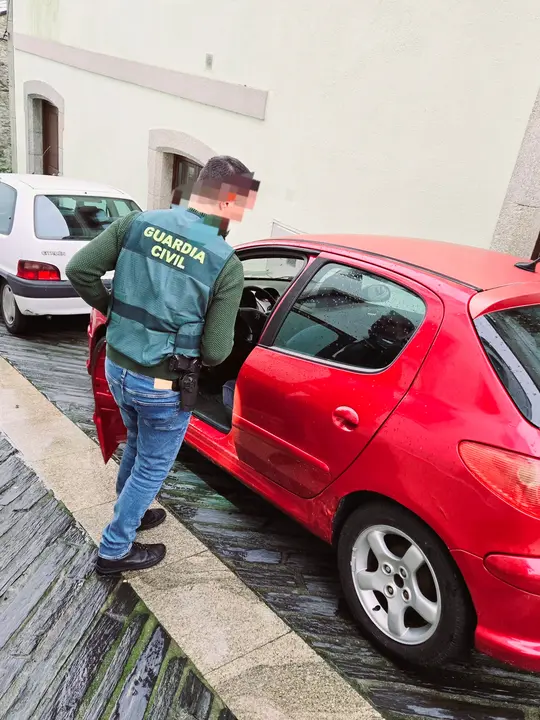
{"points": [[14, 210], [298, 286], [277, 252]]}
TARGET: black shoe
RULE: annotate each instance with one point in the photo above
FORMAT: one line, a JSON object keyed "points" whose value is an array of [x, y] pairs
{"points": [[151, 519], [140, 557]]}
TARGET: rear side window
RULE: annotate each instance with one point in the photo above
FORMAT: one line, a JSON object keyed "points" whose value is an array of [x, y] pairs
{"points": [[77, 217], [8, 199], [511, 340], [351, 317]]}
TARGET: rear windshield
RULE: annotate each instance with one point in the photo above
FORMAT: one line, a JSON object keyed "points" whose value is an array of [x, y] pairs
{"points": [[77, 217], [511, 339]]}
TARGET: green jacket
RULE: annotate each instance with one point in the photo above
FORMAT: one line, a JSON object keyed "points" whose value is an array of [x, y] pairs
{"points": [[102, 254]]}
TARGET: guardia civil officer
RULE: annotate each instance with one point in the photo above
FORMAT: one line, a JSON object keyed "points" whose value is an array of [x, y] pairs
{"points": [[176, 292]]}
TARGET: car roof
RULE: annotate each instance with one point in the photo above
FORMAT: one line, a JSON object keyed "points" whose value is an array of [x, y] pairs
{"points": [[475, 267], [59, 183]]}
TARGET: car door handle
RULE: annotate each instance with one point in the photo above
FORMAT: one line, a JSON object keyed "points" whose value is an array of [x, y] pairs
{"points": [[345, 418]]}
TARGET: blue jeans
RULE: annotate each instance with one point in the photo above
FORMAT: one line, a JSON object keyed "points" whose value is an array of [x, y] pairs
{"points": [[156, 426]]}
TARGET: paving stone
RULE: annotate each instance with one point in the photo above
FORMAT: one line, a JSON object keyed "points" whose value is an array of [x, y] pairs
{"points": [[196, 698], [79, 480], [99, 701], [81, 672], [165, 692], [265, 578], [13, 470], [26, 690], [428, 705], [22, 494], [64, 701], [21, 598], [32, 532], [226, 715], [46, 614], [16, 489], [136, 693], [6, 448]]}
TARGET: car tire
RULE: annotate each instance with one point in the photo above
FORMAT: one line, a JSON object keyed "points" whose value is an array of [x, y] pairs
{"points": [[16, 323], [391, 563]]}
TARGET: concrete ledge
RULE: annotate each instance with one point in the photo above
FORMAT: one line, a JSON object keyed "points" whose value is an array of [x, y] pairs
{"points": [[259, 667], [207, 91]]}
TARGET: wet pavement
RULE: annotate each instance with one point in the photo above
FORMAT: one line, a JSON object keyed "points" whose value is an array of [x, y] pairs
{"points": [[292, 571], [72, 645]]}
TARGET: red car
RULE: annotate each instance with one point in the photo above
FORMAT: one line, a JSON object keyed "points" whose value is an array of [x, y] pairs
{"points": [[387, 397]]}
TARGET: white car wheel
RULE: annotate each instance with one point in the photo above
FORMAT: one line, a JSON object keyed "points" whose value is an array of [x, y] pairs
{"points": [[15, 322]]}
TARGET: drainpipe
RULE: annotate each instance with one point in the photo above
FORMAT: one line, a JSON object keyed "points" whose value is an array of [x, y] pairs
{"points": [[11, 85]]}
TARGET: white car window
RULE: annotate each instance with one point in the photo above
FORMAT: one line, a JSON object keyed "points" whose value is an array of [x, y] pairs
{"points": [[76, 217]]}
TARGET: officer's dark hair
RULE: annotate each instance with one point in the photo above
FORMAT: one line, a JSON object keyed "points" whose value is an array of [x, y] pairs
{"points": [[224, 169]]}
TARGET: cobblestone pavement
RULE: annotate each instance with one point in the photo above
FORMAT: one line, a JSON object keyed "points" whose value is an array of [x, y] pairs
{"points": [[292, 571], [74, 646]]}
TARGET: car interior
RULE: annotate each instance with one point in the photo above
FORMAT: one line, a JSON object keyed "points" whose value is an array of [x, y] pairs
{"points": [[266, 279], [344, 316]]}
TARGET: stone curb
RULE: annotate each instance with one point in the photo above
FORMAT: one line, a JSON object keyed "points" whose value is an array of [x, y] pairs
{"points": [[259, 667]]}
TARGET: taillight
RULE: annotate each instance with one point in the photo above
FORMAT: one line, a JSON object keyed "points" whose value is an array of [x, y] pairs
{"points": [[29, 270], [513, 477]]}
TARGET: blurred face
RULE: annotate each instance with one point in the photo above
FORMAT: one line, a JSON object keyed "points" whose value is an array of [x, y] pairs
{"points": [[232, 204]]}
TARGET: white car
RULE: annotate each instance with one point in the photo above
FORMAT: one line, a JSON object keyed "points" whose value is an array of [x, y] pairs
{"points": [[44, 220]]}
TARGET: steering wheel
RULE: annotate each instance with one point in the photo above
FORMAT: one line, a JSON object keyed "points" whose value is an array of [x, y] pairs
{"points": [[261, 294], [273, 292], [249, 326]]}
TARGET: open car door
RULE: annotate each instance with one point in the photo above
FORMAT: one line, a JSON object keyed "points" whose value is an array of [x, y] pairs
{"points": [[108, 421]]}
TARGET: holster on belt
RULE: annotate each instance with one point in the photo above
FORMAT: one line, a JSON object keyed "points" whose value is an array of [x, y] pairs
{"points": [[187, 384]]}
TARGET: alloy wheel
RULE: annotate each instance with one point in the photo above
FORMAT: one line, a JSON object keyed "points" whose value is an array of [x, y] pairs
{"points": [[396, 584]]}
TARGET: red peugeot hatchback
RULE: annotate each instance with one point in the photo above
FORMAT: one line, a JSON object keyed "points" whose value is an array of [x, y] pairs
{"points": [[387, 396]]}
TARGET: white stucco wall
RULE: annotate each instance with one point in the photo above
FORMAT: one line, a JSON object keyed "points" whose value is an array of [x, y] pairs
{"points": [[403, 117]]}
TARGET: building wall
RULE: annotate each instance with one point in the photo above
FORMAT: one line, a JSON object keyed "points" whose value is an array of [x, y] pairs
{"points": [[5, 139], [401, 118]]}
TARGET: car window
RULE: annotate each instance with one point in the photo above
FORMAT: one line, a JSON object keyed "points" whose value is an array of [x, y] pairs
{"points": [[351, 317], [8, 199], [511, 340], [77, 217], [272, 275], [272, 268]]}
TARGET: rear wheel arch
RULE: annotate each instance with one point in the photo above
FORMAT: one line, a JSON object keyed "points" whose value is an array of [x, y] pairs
{"points": [[348, 504]]}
